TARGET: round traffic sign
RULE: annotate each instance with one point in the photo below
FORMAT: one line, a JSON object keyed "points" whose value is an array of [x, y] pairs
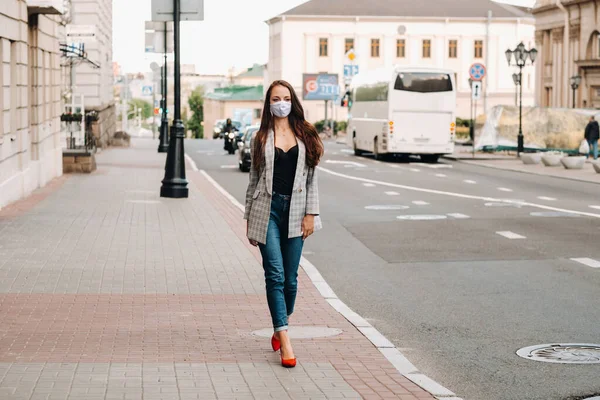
{"points": [[477, 71]]}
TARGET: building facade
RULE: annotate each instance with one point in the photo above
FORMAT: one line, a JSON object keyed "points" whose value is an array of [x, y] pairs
{"points": [[568, 39], [94, 80], [30, 97], [315, 37], [240, 103]]}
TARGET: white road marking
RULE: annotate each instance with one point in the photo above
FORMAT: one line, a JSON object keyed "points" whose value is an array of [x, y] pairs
{"points": [[595, 207], [369, 185], [192, 162], [503, 189], [433, 166], [420, 203], [394, 166], [421, 217], [347, 151], [587, 261], [415, 170], [207, 152], [392, 193], [229, 166], [458, 216], [143, 201], [441, 175], [510, 235], [386, 208], [335, 153], [454, 194], [346, 163], [546, 198], [470, 181]]}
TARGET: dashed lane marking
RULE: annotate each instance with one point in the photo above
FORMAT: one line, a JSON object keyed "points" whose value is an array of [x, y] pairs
{"points": [[458, 216], [392, 193], [546, 198], [595, 207], [420, 203], [369, 185], [415, 170], [441, 175], [470, 181], [503, 189], [511, 235], [590, 262]]}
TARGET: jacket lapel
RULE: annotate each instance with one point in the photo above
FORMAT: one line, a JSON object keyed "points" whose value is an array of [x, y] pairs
{"points": [[300, 165], [269, 161]]}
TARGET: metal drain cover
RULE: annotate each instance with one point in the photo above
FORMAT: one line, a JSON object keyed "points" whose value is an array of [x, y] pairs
{"points": [[302, 332], [566, 353]]}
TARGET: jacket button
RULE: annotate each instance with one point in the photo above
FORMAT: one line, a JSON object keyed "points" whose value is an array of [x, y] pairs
{"points": [[300, 190]]}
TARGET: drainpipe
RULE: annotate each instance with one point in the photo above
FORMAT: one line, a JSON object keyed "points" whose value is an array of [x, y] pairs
{"points": [[565, 56]]}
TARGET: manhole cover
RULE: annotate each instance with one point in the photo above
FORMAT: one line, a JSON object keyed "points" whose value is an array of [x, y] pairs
{"points": [[421, 217], [568, 353], [388, 207], [553, 214], [302, 332]]}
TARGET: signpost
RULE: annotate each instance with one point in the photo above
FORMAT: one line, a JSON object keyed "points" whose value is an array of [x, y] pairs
{"points": [[320, 87], [147, 91], [477, 72], [157, 34]]}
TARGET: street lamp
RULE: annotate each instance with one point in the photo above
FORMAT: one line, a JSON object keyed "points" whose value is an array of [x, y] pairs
{"points": [[520, 55], [472, 124], [516, 80], [575, 82], [163, 144]]}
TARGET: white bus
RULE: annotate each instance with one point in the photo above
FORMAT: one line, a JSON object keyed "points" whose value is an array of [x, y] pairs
{"points": [[403, 111]]}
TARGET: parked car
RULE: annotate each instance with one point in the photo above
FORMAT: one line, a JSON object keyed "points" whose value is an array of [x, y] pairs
{"points": [[245, 150]]}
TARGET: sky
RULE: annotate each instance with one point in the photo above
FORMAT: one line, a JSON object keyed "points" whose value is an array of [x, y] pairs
{"points": [[233, 34]]}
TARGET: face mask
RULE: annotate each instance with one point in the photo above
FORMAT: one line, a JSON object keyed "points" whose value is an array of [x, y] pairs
{"points": [[281, 109]]}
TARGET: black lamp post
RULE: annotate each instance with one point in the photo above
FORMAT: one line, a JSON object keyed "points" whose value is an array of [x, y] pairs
{"points": [[163, 145], [575, 82], [520, 56], [174, 185], [472, 124], [516, 80]]}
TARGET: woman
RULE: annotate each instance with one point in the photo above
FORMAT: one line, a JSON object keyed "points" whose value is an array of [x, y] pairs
{"points": [[282, 202]]}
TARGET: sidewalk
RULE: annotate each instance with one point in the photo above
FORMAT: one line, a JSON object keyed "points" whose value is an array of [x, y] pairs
{"points": [[108, 291], [512, 163]]}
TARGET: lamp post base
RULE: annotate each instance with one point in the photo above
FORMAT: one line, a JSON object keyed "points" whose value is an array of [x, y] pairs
{"points": [[520, 145], [174, 185]]}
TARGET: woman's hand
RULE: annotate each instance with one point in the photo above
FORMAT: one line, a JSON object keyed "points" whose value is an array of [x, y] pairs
{"points": [[252, 242], [308, 226]]}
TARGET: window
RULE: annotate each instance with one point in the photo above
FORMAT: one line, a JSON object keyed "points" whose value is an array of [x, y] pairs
{"points": [[423, 82], [426, 48], [453, 49], [400, 48], [349, 45], [375, 92], [375, 48], [479, 49], [323, 47]]}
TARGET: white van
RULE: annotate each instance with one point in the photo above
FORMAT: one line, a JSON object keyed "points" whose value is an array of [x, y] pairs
{"points": [[403, 111]]}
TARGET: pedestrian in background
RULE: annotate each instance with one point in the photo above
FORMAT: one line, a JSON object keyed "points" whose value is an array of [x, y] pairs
{"points": [[592, 133], [282, 202]]}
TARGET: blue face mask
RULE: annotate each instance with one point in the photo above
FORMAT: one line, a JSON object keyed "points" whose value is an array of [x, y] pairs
{"points": [[281, 109]]}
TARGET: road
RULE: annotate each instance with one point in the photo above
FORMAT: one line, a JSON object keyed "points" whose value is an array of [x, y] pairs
{"points": [[471, 265]]}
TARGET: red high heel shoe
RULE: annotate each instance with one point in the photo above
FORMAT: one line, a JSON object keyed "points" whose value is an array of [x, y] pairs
{"points": [[290, 363], [275, 343]]}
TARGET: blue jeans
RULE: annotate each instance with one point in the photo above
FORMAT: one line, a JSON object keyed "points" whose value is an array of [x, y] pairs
{"points": [[281, 257], [593, 148]]}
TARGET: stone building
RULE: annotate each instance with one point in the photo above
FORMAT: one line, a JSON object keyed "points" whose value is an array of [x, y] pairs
{"points": [[568, 40], [30, 96]]}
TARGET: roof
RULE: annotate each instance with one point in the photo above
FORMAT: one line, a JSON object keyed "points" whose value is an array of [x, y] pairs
{"points": [[407, 8], [255, 71], [237, 93]]}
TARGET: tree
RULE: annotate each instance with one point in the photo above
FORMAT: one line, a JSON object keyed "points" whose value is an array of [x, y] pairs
{"points": [[196, 103], [146, 107]]}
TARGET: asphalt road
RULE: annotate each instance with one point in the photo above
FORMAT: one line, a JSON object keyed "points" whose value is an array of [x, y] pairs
{"points": [[456, 276]]}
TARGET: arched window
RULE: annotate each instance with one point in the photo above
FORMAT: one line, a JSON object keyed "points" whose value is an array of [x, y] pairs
{"points": [[593, 47]]}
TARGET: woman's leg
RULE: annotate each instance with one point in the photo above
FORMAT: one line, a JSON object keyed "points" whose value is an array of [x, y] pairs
{"points": [[291, 252], [274, 272]]}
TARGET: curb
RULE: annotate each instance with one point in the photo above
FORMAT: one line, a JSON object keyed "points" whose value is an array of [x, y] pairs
{"points": [[475, 162], [385, 347]]}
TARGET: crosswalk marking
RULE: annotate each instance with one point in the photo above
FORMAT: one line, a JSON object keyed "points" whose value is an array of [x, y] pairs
{"points": [[392, 193], [510, 235], [503, 189], [587, 261], [420, 203]]}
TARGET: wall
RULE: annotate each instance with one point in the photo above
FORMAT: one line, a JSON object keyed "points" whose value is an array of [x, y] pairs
{"points": [[298, 51], [30, 102]]}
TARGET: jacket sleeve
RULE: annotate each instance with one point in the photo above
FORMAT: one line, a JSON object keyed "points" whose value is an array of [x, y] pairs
{"points": [[251, 184], [312, 195], [587, 131]]}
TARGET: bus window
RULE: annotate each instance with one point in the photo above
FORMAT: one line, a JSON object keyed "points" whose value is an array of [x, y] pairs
{"points": [[375, 92], [423, 82]]}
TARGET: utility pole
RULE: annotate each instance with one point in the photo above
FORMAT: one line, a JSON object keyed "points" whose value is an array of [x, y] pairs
{"points": [[174, 184], [163, 145]]}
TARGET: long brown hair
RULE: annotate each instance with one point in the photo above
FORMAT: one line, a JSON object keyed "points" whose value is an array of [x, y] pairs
{"points": [[303, 130]]}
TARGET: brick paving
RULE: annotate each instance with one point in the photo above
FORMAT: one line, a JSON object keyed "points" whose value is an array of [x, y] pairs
{"points": [[108, 291]]}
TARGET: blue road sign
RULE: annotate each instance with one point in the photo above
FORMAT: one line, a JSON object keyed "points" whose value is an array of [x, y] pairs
{"points": [[350, 70], [146, 90], [477, 71], [320, 86]]}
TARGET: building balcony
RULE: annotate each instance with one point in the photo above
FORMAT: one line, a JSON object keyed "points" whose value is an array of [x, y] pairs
{"points": [[54, 7], [588, 64]]}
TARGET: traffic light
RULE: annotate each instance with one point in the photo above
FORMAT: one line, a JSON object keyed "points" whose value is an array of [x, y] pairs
{"points": [[156, 110]]}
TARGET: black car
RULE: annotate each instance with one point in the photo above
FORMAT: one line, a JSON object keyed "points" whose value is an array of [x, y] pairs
{"points": [[245, 151]]}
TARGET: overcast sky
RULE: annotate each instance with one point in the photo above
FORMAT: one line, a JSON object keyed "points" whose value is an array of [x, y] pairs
{"points": [[233, 33]]}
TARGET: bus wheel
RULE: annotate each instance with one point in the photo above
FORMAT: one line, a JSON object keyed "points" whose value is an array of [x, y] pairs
{"points": [[378, 156], [357, 152], [430, 158]]}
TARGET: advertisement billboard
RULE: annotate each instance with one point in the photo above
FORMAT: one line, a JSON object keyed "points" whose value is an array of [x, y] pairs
{"points": [[320, 86]]}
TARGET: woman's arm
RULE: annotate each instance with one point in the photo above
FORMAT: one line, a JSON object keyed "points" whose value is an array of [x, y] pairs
{"points": [[312, 192], [251, 184]]}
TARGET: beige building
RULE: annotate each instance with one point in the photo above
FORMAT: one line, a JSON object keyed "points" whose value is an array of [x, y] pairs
{"points": [[30, 97], [240, 103], [568, 41]]}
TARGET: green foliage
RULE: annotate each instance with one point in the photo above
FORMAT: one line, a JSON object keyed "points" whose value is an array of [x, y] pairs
{"points": [[147, 110], [196, 103], [338, 126], [463, 122]]}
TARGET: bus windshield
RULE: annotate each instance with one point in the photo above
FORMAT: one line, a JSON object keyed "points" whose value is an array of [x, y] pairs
{"points": [[423, 82]]}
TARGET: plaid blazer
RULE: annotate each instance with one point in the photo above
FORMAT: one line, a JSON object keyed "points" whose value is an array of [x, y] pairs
{"points": [[305, 195]]}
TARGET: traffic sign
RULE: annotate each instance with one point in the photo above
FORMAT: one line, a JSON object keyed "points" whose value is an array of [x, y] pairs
{"points": [[320, 86], [191, 10], [147, 90], [350, 55], [350, 70], [477, 71], [476, 90]]}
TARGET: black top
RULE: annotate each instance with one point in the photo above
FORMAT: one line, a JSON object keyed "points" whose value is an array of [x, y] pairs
{"points": [[285, 170], [592, 131]]}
